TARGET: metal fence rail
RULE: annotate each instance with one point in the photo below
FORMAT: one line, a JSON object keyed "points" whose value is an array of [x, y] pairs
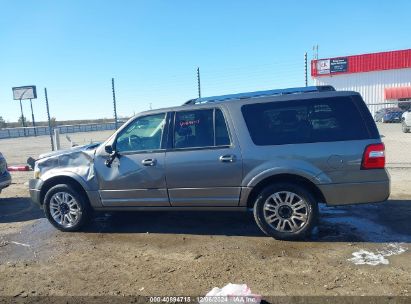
{"points": [[44, 130]]}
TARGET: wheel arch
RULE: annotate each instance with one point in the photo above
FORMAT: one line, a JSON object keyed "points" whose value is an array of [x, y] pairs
{"points": [[62, 179], [285, 178]]}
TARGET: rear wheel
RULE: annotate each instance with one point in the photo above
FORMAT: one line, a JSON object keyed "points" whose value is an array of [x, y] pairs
{"points": [[66, 208], [285, 211]]}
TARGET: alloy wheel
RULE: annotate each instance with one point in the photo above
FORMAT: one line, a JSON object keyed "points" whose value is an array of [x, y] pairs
{"points": [[286, 211]]}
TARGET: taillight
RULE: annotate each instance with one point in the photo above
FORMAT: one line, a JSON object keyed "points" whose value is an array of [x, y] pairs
{"points": [[374, 157]]}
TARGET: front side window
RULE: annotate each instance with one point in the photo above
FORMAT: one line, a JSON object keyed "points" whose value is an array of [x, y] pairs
{"points": [[143, 134], [200, 128]]}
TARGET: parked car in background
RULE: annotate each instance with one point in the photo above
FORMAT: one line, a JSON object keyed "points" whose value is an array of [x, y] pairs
{"points": [[279, 153], [406, 121], [5, 178], [388, 115]]}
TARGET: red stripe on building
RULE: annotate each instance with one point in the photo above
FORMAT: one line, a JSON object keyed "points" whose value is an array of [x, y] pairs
{"points": [[369, 62], [397, 93]]}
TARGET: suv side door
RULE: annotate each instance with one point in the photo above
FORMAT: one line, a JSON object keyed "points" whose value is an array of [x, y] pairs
{"points": [[203, 162], [137, 175]]}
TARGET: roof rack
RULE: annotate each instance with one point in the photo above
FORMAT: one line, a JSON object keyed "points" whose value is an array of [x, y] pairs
{"points": [[260, 94]]}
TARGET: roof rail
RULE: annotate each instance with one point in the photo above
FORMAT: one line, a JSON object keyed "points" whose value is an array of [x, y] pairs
{"points": [[260, 94]]}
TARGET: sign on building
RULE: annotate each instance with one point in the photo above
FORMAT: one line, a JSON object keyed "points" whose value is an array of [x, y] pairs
{"points": [[339, 65], [323, 66]]}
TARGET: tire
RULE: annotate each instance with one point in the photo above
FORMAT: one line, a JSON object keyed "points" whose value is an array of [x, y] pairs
{"points": [[297, 214], [405, 128], [66, 209]]}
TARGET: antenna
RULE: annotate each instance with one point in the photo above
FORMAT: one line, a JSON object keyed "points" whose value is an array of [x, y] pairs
{"points": [[315, 51]]}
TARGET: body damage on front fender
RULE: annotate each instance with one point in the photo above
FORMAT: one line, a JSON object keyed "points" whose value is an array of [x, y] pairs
{"points": [[77, 163]]}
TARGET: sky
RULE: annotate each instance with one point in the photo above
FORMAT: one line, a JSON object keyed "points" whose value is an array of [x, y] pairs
{"points": [[152, 48]]}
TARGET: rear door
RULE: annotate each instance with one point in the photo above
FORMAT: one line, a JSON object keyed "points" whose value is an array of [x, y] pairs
{"points": [[204, 165]]}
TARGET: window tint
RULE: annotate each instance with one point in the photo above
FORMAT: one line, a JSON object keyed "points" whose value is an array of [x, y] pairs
{"points": [[142, 134], [196, 129], [304, 121]]}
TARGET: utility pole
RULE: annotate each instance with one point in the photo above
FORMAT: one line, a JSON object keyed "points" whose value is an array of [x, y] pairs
{"points": [[114, 103], [32, 117], [23, 123], [48, 117], [315, 52], [198, 82], [23, 120], [306, 69]]}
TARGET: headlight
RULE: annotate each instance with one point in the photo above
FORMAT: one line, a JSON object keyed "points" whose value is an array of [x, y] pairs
{"points": [[36, 172]]}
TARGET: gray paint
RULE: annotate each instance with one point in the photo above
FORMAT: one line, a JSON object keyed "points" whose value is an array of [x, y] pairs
{"points": [[196, 178]]}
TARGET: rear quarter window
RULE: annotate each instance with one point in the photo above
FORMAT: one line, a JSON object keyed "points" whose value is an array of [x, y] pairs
{"points": [[305, 121]]}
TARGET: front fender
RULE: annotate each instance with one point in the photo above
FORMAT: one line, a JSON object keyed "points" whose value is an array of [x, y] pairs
{"points": [[86, 185]]}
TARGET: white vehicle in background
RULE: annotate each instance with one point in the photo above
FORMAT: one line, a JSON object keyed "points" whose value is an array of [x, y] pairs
{"points": [[406, 121]]}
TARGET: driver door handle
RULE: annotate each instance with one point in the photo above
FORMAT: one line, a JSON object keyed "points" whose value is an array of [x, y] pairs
{"points": [[149, 162], [229, 158]]}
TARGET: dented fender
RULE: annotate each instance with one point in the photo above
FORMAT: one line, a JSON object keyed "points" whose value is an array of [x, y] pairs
{"points": [[77, 164]]}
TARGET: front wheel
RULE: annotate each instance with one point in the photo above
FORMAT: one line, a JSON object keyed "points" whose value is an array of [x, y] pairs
{"points": [[285, 211], [66, 208]]}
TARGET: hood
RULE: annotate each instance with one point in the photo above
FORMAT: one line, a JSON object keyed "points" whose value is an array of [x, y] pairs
{"points": [[69, 151]]}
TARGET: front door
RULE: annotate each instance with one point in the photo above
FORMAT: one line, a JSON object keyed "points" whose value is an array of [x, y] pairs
{"points": [[204, 165], [137, 176]]}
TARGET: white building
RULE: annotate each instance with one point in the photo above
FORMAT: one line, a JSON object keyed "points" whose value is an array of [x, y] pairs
{"points": [[383, 79]]}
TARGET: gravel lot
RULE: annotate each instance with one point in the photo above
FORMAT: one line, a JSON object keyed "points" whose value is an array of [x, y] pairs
{"points": [[190, 253]]}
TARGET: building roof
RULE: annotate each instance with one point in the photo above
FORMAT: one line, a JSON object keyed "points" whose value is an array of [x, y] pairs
{"points": [[392, 60]]}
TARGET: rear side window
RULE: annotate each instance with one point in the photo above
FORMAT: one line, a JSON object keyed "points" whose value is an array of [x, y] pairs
{"points": [[200, 128], [304, 121]]}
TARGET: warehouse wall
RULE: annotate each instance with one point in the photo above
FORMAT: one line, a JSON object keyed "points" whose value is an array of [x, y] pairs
{"points": [[370, 85]]}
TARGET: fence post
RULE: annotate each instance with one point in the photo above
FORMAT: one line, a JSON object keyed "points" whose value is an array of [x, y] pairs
{"points": [[57, 138]]}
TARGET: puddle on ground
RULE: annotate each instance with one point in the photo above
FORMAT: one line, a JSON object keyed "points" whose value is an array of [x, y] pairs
{"points": [[359, 223], [365, 257]]}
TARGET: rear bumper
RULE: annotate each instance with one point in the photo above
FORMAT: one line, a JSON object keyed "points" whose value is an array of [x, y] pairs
{"points": [[5, 180], [356, 193], [34, 189]]}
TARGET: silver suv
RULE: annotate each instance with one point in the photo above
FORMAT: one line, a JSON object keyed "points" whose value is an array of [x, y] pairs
{"points": [[279, 153]]}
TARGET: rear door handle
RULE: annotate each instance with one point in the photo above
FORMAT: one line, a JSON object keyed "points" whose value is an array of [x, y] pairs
{"points": [[229, 158], [149, 162]]}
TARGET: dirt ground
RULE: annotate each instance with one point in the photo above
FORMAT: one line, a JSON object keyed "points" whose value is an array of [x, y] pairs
{"points": [[189, 253]]}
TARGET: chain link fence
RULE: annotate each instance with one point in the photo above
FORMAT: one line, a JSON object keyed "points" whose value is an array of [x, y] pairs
{"points": [[44, 130]]}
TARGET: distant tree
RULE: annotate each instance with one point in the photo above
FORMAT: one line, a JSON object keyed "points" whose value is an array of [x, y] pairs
{"points": [[53, 122], [24, 119], [3, 123]]}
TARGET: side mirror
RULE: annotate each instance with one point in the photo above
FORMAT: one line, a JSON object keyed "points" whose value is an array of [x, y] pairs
{"points": [[112, 155], [109, 149]]}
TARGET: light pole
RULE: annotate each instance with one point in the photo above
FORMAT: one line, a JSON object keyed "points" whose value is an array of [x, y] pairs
{"points": [[32, 117]]}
